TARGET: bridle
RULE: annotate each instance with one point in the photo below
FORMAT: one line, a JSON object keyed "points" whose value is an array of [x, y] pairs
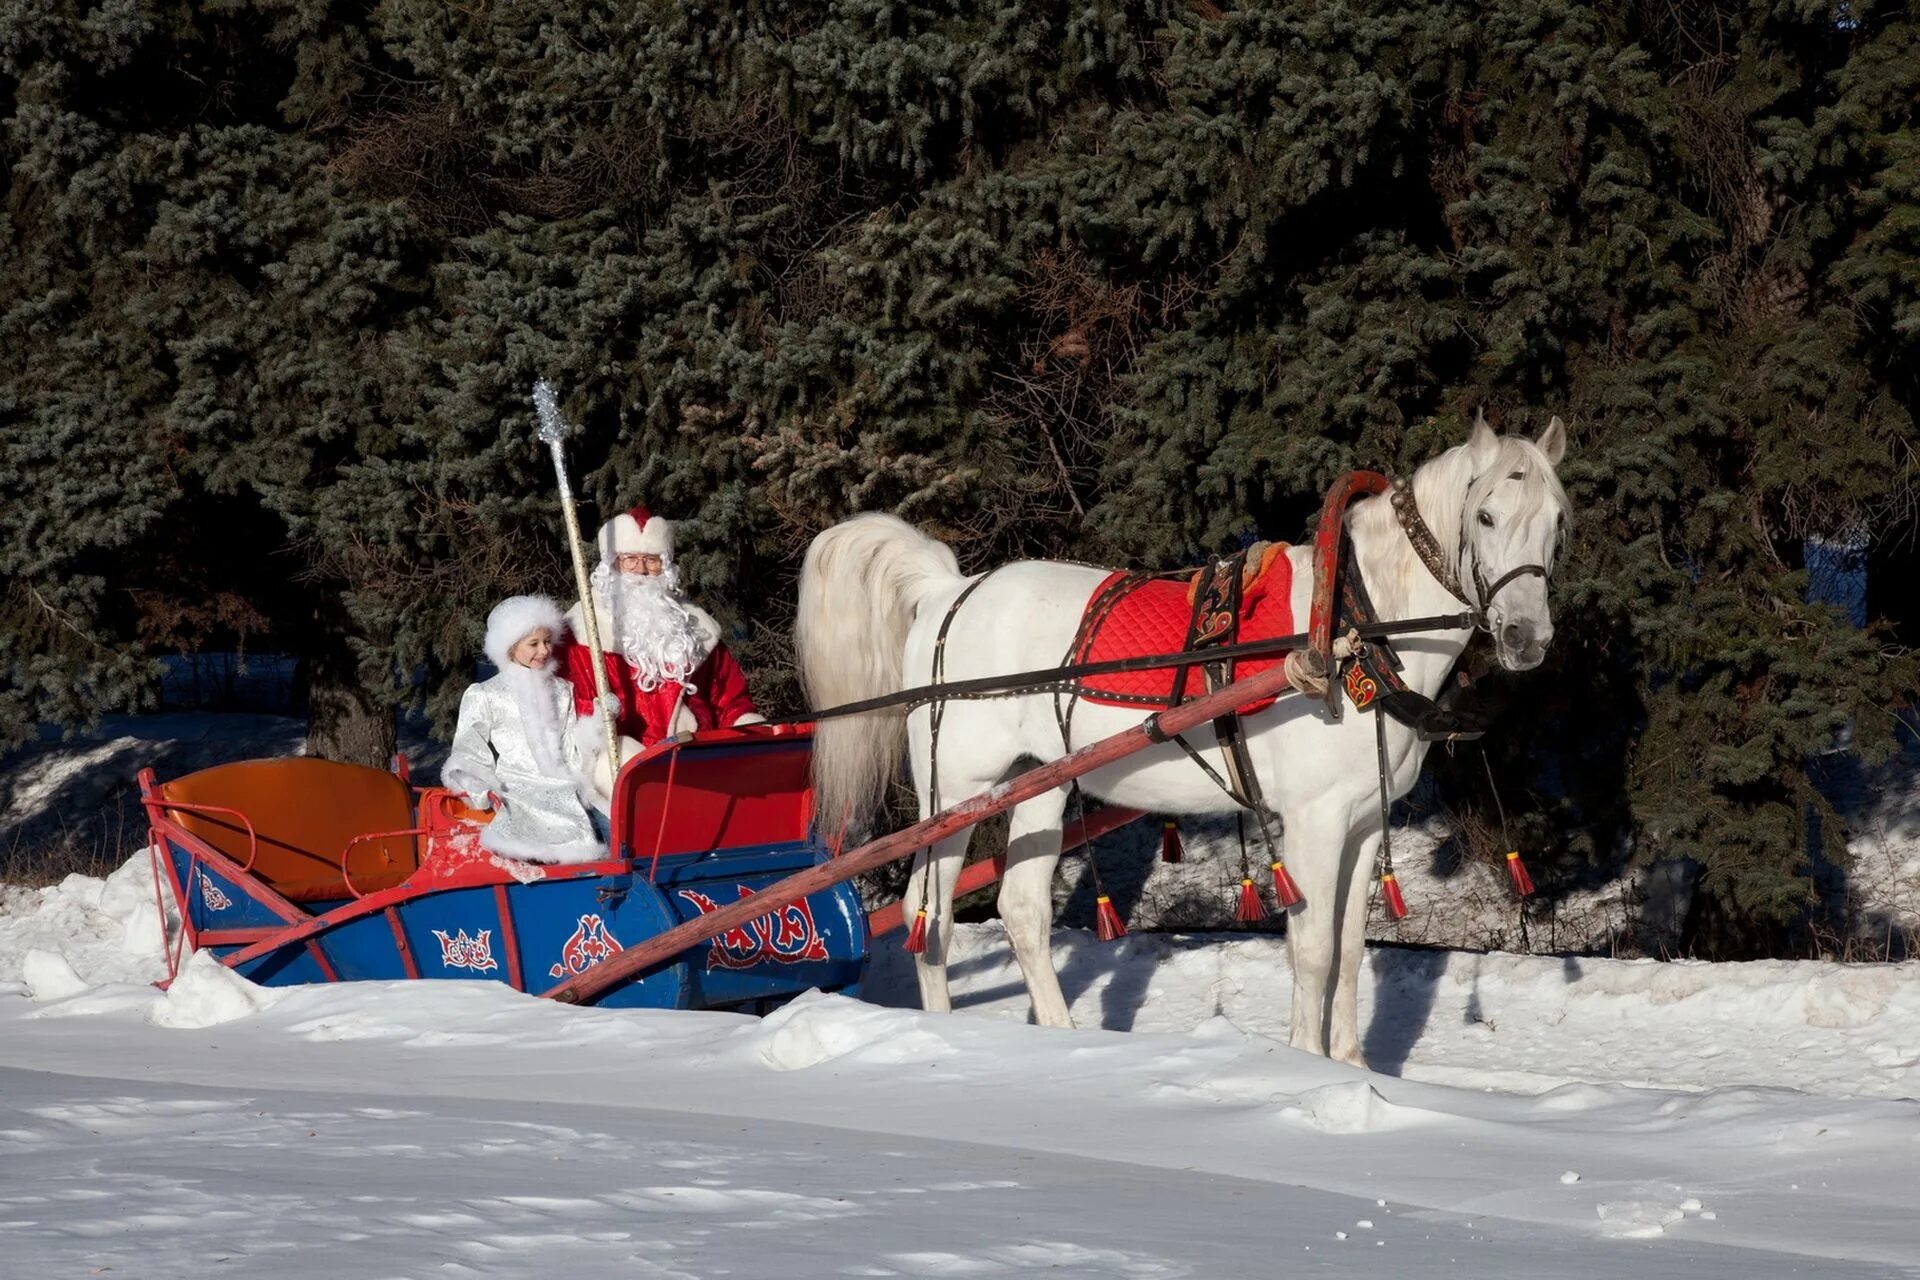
{"points": [[1427, 547]]}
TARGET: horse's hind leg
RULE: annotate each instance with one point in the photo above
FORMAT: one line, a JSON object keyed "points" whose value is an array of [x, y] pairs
{"points": [[938, 874], [1026, 901]]}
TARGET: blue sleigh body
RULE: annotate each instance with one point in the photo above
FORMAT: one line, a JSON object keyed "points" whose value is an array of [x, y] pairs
{"points": [[300, 871]]}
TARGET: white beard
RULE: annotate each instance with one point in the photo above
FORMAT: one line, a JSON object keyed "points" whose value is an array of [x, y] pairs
{"points": [[533, 695], [652, 627]]}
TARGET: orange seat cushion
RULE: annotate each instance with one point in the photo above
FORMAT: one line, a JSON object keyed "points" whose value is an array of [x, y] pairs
{"points": [[305, 812]]}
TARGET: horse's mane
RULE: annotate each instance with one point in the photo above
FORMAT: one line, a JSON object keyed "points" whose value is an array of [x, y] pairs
{"points": [[1541, 486]]}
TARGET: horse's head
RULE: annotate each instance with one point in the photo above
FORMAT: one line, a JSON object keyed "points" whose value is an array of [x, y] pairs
{"points": [[1513, 523]]}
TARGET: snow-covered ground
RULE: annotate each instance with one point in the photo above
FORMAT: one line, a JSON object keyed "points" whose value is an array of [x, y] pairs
{"points": [[1535, 1117]]}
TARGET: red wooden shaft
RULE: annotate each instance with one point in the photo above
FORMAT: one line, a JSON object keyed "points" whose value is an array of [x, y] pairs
{"points": [[689, 933], [984, 872], [1326, 555]]}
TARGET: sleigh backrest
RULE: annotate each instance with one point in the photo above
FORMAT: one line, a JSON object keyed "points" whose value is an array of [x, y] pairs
{"points": [[725, 790], [304, 812]]}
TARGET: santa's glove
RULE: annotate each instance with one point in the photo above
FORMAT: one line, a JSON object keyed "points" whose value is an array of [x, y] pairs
{"points": [[480, 800], [600, 770]]}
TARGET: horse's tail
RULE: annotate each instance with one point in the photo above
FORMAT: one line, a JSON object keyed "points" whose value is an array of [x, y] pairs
{"points": [[861, 584]]}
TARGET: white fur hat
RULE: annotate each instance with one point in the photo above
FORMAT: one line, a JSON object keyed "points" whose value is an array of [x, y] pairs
{"points": [[638, 530], [513, 618]]}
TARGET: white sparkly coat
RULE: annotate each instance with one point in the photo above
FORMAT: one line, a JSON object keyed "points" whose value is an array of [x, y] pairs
{"points": [[540, 817]]}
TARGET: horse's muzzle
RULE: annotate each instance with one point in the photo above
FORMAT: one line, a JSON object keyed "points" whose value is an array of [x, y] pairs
{"points": [[1521, 646]]}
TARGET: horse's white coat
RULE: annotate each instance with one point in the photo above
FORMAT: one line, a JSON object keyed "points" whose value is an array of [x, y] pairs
{"points": [[874, 592]]}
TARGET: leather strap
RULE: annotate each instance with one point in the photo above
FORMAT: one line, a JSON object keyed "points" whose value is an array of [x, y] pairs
{"points": [[1372, 678], [1329, 539]]}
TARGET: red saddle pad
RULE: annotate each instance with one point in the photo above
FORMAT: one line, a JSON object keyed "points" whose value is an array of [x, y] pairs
{"points": [[1153, 618]]}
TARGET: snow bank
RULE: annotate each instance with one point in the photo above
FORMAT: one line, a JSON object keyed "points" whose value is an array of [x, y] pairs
{"points": [[815, 1028], [207, 993], [106, 930], [1526, 1023]]}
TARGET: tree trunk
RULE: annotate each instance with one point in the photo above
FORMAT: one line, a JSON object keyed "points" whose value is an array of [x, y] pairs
{"points": [[346, 721]]}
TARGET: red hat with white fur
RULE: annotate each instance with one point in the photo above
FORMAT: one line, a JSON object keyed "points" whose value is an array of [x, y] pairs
{"points": [[638, 530]]}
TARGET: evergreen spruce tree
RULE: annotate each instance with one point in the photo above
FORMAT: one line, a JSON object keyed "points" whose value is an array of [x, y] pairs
{"points": [[1126, 281]]}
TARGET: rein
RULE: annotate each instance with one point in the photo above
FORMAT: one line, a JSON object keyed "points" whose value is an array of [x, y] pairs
{"points": [[1061, 679]]}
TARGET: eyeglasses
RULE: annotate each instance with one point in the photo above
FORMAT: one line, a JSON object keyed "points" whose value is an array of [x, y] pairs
{"points": [[638, 562]]}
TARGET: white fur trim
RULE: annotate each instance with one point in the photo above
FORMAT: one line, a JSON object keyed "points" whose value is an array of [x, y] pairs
{"points": [[494, 840], [684, 720], [600, 777], [633, 531], [513, 618], [590, 732], [576, 620], [752, 717]]}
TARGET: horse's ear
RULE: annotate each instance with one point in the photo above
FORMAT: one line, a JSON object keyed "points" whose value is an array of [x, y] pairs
{"points": [[1482, 442], [1553, 441]]}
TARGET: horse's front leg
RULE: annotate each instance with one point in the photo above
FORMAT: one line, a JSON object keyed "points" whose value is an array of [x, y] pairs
{"points": [[1343, 1028], [1026, 901], [1316, 845]]}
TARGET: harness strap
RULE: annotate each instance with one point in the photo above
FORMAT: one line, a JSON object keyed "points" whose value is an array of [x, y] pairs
{"points": [[1386, 801], [1216, 623], [1487, 593], [1372, 677], [937, 710], [937, 704], [1407, 511]]}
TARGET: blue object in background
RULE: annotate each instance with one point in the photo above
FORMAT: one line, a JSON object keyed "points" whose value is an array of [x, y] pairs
{"points": [[1837, 574]]}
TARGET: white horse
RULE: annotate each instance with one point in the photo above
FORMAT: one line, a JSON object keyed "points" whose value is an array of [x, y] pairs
{"points": [[874, 592]]}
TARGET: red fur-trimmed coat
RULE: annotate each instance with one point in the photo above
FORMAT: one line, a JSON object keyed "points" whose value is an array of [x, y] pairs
{"points": [[718, 699]]}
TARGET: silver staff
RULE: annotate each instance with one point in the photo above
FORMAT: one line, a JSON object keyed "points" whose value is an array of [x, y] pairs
{"points": [[553, 430]]}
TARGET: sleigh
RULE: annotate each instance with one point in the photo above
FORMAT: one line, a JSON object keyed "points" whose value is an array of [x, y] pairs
{"points": [[719, 893], [301, 870]]}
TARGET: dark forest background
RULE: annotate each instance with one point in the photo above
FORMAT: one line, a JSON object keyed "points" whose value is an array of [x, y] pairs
{"points": [[1124, 282]]}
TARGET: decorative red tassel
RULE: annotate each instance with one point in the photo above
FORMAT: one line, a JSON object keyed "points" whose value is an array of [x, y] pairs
{"points": [[1390, 894], [1250, 910], [1106, 921], [917, 936], [1171, 849], [1517, 870], [1283, 886]]}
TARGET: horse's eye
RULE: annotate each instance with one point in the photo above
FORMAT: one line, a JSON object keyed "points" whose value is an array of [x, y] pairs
{"points": [[1486, 519]]}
